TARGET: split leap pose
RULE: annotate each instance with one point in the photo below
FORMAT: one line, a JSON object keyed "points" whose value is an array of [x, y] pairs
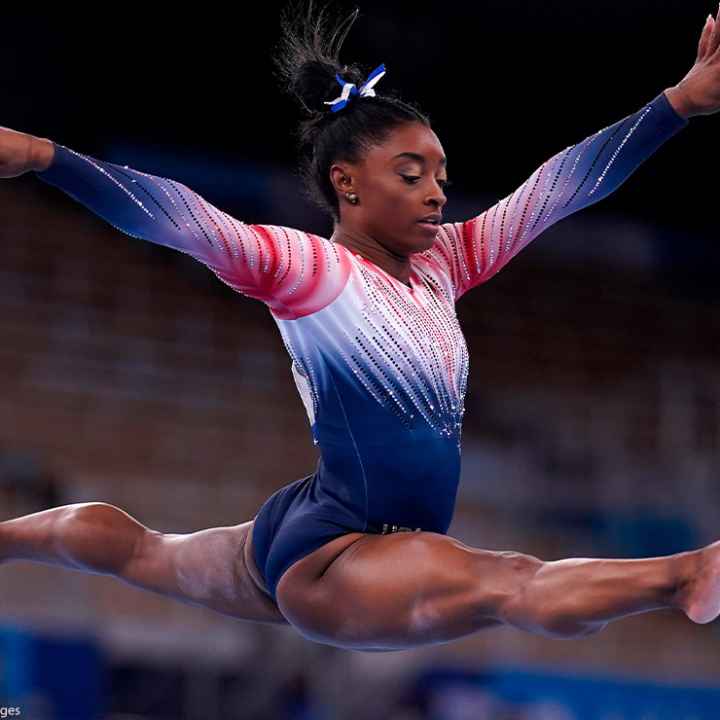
{"points": [[356, 555]]}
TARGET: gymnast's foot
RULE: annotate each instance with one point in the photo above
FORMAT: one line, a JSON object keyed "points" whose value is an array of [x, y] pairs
{"points": [[700, 598]]}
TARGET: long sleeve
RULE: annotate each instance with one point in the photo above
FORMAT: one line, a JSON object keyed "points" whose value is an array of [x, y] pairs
{"points": [[471, 252], [293, 272]]}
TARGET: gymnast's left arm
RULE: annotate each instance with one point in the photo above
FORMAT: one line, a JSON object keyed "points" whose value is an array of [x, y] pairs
{"points": [[581, 175]]}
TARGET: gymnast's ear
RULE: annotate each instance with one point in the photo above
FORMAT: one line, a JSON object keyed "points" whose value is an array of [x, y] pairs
{"points": [[342, 177]]}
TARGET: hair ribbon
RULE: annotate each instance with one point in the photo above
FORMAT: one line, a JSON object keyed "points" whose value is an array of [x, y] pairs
{"points": [[349, 89]]}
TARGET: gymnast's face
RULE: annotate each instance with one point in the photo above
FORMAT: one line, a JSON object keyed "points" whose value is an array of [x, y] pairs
{"points": [[399, 183]]}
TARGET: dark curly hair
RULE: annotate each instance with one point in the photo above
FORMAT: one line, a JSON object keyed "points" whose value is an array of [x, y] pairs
{"points": [[307, 60]]}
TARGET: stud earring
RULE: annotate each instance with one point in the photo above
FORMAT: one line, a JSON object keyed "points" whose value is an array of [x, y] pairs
{"points": [[352, 198]]}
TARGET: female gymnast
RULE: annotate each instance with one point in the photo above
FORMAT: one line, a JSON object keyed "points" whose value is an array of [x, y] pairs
{"points": [[357, 554]]}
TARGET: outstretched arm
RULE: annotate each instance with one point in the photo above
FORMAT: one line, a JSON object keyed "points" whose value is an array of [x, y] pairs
{"points": [[293, 272], [156, 209], [473, 251]]}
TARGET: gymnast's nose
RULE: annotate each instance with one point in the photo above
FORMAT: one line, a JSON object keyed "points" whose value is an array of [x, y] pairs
{"points": [[436, 197]]}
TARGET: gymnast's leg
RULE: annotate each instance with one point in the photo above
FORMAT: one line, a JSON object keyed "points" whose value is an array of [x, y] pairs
{"points": [[206, 568], [410, 589]]}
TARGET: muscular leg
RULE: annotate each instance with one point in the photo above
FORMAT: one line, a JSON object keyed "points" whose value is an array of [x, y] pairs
{"points": [[205, 568], [409, 589]]}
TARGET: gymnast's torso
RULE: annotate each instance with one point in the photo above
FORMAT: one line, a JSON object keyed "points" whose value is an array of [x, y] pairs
{"points": [[382, 370], [381, 366]]}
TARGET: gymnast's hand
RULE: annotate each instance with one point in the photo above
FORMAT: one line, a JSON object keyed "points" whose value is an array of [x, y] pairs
{"points": [[21, 153], [698, 93]]}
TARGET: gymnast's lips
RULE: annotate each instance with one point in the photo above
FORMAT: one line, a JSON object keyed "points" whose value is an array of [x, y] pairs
{"points": [[433, 218], [430, 222]]}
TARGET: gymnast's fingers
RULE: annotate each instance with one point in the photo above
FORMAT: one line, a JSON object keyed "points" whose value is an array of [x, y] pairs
{"points": [[714, 41], [704, 42]]}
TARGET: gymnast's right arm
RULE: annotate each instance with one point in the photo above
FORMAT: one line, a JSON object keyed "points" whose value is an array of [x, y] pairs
{"points": [[293, 272]]}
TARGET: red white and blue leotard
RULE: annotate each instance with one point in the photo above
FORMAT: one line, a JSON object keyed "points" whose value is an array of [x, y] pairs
{"points": [[381, 367]]}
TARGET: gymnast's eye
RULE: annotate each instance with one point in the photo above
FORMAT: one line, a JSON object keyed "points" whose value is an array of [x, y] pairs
{"points": [[413, 179]]}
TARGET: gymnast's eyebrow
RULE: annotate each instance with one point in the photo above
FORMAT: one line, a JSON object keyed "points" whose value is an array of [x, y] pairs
{"points": [[418, 157]]}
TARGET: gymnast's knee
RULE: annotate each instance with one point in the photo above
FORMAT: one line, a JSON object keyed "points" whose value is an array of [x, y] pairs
{"points": [[515, 570], [513, 575], [94, 516], [99, 537], [520, 606]]}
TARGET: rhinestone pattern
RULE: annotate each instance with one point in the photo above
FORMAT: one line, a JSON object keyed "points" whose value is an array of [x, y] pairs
{"points": [[575, 178], [403, 346], [381, 367]]}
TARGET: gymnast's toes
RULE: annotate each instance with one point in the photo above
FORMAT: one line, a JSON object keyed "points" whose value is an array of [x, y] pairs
{"points": [[701, 599]]}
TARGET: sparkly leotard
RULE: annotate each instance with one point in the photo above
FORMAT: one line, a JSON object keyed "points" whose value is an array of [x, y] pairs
{"points": [[381, 366]]}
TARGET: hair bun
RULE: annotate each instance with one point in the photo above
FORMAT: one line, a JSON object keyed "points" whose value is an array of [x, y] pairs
{"points": [[314, 83], [307, 56]]}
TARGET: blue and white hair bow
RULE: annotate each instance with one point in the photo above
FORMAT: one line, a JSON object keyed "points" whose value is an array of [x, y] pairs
{"points": [[349, 89]]}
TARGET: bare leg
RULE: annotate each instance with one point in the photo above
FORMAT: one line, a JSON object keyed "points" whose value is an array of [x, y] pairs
{"points": [[205, 568], [411, 589], [592, 592], [580, 596]]}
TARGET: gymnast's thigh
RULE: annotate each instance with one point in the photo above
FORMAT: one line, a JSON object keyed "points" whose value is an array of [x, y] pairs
{"points": [[395, 591]]}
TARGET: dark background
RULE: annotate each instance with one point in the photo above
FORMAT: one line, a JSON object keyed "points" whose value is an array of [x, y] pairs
{"points": [[507, 84]]}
